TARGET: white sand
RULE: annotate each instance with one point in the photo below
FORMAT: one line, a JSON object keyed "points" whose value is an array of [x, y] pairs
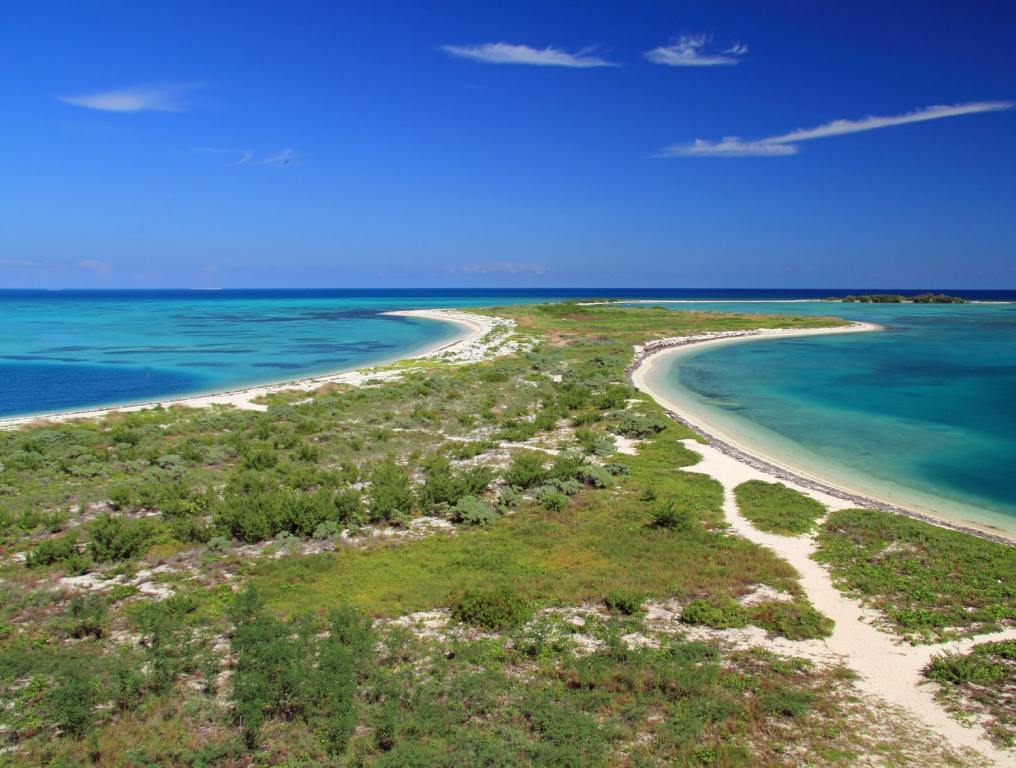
{"points": [[888, 669], [481, 337], [657, 352]]}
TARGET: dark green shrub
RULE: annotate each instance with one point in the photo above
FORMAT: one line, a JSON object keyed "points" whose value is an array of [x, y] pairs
{"points": [[526, 470], [567, 465], [637, 425], [54, 550], [719, 613], [796, 621], [624, 602], [669, 517], [500, 608], [390, 494], [117, 538]]}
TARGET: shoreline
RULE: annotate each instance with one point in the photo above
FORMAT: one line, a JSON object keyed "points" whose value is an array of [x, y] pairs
{"points": [[648, 355], [473, 329]]}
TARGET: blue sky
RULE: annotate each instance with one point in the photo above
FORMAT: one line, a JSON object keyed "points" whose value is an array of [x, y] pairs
{"points": [[349, 144]]}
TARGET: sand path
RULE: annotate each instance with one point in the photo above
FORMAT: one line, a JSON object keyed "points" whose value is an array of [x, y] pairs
{"points": [[888, 669]]}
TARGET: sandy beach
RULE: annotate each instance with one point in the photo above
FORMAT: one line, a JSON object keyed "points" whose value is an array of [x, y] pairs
{"points": [[471, 345], [887, 668], [650, 356]]}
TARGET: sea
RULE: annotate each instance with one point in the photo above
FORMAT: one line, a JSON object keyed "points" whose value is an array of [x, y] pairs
{"points": [[922, 413]]}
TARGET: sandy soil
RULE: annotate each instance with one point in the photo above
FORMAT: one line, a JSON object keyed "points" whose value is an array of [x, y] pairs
{"points": [[481, 337]]}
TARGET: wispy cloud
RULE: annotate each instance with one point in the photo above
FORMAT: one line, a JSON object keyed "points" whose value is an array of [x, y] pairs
{"points": [[17, 263], [280, 159], [507, 53], [786, 143], [692, 51], [137, 98], [502, 268], [246, 157]]}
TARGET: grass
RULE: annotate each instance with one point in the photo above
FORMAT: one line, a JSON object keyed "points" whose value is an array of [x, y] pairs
{"points": [[775, 508], [930, 583], [982, 682], [500, 687]]}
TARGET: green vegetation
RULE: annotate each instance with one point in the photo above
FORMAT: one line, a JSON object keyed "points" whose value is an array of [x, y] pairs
{"points": [[981, 682], [270, 588], [931, 583], [775, 508]]}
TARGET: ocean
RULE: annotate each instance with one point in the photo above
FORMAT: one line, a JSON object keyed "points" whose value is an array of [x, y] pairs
{"points": [[923, 413]]}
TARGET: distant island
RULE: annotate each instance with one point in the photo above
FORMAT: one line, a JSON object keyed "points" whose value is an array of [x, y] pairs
{"points": [[896, 298]]}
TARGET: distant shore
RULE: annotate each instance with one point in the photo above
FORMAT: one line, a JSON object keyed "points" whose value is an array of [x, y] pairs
{"points": [[654, 353], [473, 328]]}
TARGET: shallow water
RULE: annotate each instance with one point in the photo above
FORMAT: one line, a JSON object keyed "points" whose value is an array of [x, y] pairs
{"points": [[923, 413]]}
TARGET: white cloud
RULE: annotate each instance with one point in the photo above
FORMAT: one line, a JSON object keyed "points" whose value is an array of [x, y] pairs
{"points": [[137, 98], [503, 268], [690, 51], [280, 159], [786, 143], [17, 263], [507, 53]]}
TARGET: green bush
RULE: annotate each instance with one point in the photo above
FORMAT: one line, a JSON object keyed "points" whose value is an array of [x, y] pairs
{"points": [[636, 425], [795, 621], [117, 538], [473, 511], [550, 498], [671, 518], [567, 465], [526, 470], [55, 550], [595, 477], [719, 613], [390, 494], [500, 608], [624, 602]]}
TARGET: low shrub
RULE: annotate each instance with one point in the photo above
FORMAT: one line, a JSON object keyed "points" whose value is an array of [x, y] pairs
{"points": [[390, 496], [719, 613], [526, 470], [550, 498], [472, 511], [55, 550], [117, 538], [624, 602], [500, 608], [671, 518], [798, 620]]}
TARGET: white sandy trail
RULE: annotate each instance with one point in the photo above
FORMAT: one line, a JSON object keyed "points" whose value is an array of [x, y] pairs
{"points": [[471, 345], [888, 669]]}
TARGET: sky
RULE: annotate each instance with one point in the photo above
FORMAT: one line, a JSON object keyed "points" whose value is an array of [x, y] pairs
{"points": [[518, 144]]}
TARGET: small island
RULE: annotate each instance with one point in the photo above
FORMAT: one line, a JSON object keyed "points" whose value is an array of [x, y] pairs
{"points": [[896, 298]]}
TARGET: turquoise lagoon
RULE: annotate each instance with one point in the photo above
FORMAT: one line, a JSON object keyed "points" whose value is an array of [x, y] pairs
{"points": [[922, 414]]}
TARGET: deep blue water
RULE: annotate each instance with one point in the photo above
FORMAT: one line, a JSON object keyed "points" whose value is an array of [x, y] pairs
{"points": [[923, 413]]}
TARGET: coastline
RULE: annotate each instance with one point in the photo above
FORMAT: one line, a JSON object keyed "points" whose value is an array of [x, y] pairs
{"points": [[651, 354], [473, 329]]}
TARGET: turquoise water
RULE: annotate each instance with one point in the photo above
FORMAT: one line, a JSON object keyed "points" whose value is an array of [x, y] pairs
{"points": [[65, 351], [923, 413]]}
